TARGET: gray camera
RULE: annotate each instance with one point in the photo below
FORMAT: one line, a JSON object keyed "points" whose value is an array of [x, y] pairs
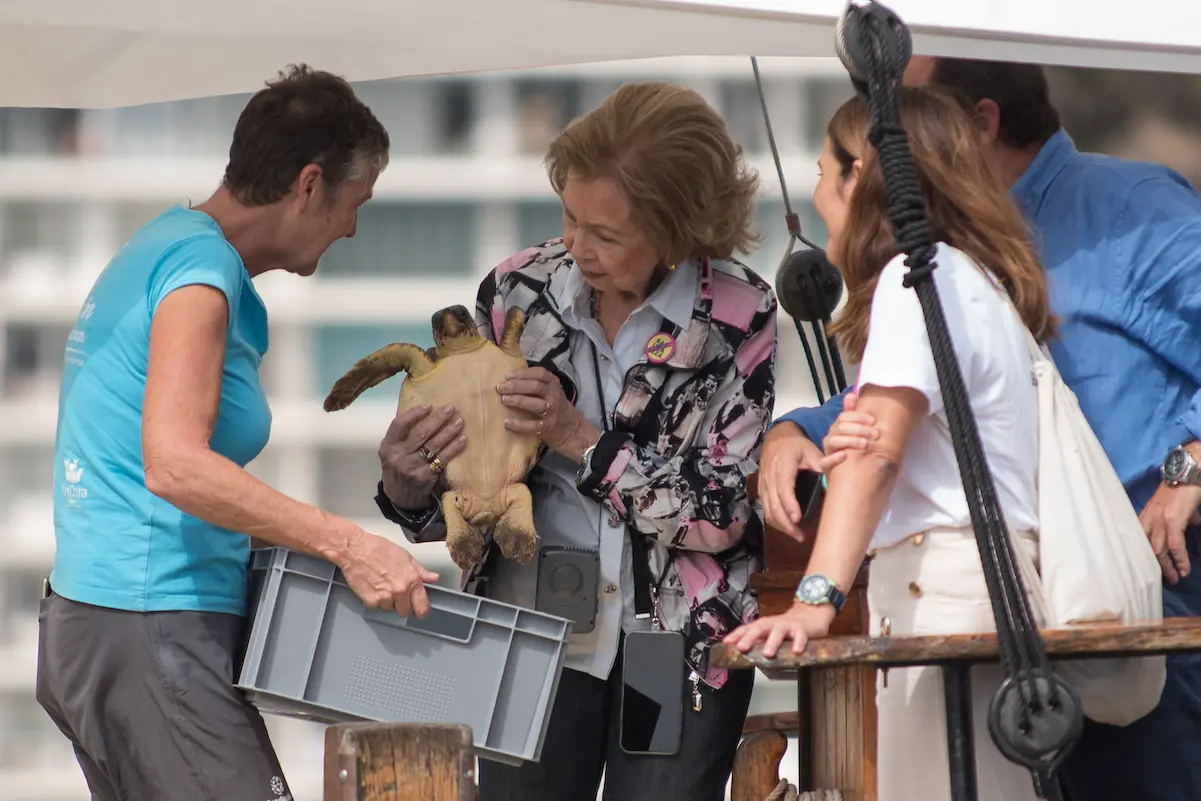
{"points": [[567, 579]]}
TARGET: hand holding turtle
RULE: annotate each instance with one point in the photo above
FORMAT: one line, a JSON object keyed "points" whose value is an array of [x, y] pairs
{"points": [[549, 415], [419, 442]]}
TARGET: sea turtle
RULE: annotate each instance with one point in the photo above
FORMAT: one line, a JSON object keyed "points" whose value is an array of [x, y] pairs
{"points": [[483, 485]]}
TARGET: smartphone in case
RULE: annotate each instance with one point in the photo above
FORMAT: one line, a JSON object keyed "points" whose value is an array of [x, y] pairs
{"points": [[652, 692]]}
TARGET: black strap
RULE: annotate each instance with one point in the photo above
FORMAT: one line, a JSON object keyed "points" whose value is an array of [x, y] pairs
{"points": [[645, 587]]}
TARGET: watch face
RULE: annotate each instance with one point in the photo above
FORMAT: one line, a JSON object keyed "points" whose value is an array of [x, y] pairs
{"points": [[815, 588], [1175, 464]]}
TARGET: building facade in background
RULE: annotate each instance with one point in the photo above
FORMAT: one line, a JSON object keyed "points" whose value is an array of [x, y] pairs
{"points": [[465, 189]]}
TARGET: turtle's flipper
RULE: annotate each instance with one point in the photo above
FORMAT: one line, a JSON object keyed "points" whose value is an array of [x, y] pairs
{"points": [[377, 368], [464, 542], [510, 336], [514, 532]]}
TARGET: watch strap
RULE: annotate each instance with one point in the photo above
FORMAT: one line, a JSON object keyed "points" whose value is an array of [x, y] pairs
{"points": [[837, 598]]}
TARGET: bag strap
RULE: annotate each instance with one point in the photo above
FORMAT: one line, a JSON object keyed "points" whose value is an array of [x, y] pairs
{"points": [[1038, 353]]}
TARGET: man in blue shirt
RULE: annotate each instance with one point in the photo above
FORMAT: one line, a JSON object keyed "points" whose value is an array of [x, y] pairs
{"points": [[1121, 244]]}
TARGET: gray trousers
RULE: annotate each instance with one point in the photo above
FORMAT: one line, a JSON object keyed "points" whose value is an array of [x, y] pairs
{"points": [[147, 700]]}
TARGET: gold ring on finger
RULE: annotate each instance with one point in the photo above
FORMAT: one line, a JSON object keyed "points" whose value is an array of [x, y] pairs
{"points": [[545, 411], [436, 464], [540, 427]]}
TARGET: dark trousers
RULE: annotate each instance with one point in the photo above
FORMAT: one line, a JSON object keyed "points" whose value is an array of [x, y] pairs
{"points": [[147, 700], [582, 741], [1156, 758]]}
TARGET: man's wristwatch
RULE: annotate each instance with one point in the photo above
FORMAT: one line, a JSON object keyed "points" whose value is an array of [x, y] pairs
{"points": [[1179, 467], [817, 589]]}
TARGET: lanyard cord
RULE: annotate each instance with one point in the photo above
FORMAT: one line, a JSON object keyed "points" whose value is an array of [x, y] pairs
{"points": [[646, 589]]}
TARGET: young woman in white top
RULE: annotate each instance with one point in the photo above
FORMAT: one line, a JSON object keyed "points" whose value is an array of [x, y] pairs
{"points": [[901, 499]]}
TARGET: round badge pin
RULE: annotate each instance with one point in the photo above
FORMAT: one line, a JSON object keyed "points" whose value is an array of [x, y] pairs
{"points": [[660, 347]]}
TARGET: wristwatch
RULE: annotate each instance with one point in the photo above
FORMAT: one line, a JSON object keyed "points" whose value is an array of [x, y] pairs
{"points": [[817, 589], [1179, 467]]}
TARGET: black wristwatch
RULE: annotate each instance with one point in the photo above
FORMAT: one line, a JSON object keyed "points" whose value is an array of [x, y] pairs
{"points": [[1179, 467], [817, 589]]}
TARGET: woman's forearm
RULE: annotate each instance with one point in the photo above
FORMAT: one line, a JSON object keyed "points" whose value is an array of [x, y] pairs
{"points": [[856, 496], [204, 484]]}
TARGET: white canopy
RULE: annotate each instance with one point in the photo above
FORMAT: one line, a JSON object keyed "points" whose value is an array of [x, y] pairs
{"points": [[103, 53]]}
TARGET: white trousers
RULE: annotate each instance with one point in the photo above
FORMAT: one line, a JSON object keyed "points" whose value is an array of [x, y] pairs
{"points": [[932, 583]]}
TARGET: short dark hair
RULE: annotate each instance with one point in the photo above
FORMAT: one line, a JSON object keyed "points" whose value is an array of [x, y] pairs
{"points": [[1020, 91], [303, 117]]}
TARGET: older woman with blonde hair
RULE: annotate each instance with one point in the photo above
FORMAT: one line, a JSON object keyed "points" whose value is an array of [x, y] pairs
{"points": [[652, 355], [901, 498]]}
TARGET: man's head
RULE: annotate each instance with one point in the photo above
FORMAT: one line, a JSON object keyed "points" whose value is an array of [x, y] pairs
{"points": [[306, 151], [1012, 101]]}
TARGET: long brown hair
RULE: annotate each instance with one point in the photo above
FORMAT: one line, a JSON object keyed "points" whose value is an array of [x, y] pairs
{"points": [[968, 206]]}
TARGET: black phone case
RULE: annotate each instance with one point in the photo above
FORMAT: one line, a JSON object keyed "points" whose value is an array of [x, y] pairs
{"points": [[662, 672]]}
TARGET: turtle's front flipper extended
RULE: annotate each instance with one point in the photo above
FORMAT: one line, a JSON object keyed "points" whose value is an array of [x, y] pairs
{"points": [[376, 368], [510, 336], [514, 532]]}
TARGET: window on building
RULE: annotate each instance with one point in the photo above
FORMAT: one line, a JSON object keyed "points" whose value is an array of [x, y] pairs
{"points": [[455, 115], [401, 239], [26, 469], [825, 95], [194, 128], [408, 108], [337, 347], [743, 113], [38, 228], [347, 479], [132, 216], [39, 131], [544, 108], [33, 358], [28, 738], [538, 221], [20, 593]]}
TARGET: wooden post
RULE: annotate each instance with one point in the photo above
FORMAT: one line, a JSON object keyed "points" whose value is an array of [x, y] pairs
{"points": [[842, 723], [399, 762]]}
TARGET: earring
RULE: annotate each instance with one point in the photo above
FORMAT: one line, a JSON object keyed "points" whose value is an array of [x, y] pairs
{"points": [[672, 267]]}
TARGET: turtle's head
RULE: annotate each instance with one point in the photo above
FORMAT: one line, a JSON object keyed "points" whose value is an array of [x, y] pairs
{"points": [[453, 328]]}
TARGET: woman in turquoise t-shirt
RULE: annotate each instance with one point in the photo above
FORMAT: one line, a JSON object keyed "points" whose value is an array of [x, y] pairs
{"points": [[160, 410]]}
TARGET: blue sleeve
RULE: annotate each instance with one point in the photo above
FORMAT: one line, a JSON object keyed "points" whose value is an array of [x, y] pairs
{"points": [[816, 421], [208, 260], [1158, 242]]}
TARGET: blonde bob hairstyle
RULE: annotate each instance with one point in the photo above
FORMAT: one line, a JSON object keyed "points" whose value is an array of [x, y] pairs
{"points": [[671, 156]]}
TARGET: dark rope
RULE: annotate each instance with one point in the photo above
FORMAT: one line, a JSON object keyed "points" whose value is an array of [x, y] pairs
{"points": [[833, 373], [1038, 726]]}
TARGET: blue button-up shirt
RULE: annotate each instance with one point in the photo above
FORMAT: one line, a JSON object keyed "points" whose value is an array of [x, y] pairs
{"points": [[1121, 244]]}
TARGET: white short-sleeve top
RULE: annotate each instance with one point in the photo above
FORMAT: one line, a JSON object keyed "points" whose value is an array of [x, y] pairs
{"points": [[991, 347]]}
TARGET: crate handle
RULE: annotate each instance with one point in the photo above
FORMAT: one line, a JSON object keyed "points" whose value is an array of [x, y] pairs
{"points": [[438, 623]]}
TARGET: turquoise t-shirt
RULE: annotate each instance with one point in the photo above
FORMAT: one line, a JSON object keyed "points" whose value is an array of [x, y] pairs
{"points": [[118, 545]]}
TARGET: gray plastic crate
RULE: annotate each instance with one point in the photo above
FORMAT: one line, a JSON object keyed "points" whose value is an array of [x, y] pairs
{"points": [[315, 652]]}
